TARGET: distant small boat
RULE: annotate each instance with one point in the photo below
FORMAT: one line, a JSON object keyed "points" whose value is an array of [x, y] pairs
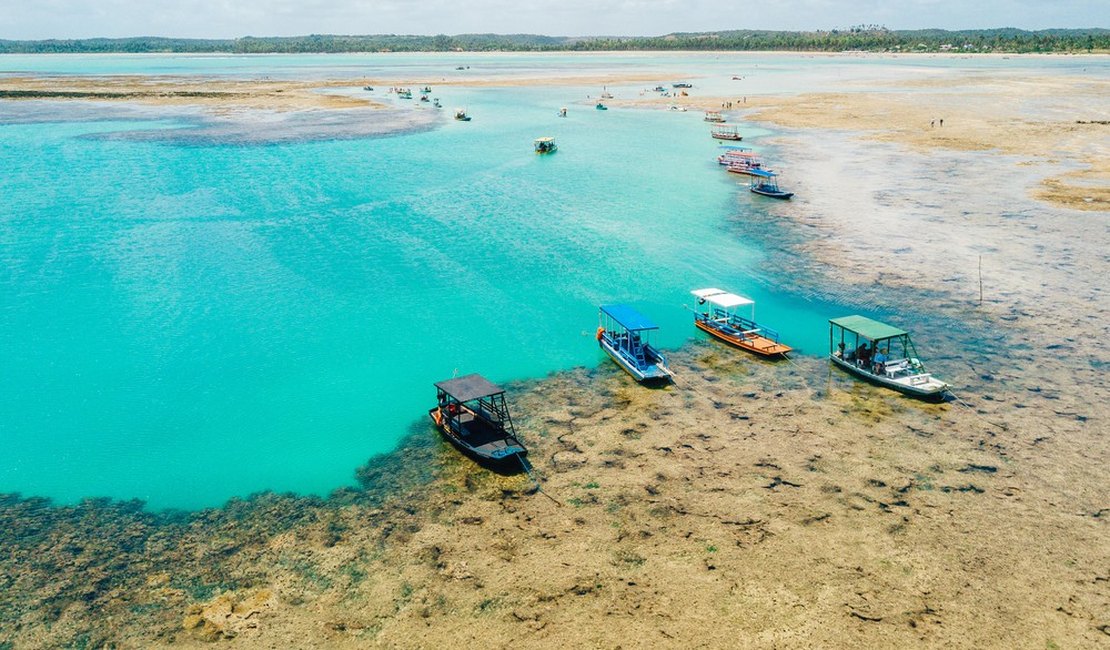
{"points": [[891, 360], [720, 320], [713, 116], [605, 94], [682, 84], [601, 107], [659, 89], [471, 413], [426, 89], [404, 94], [461, 115], [368, 88], [624, 333], [423, 98], [765, 183], [676, 107], [460, 68], [726, 132], [545, 145]]}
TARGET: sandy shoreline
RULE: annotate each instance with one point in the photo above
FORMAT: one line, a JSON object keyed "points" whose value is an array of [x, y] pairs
{"points": [[752, 504]]}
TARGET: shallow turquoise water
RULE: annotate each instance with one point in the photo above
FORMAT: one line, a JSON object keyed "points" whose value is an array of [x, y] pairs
{"points": [[187, 323]]}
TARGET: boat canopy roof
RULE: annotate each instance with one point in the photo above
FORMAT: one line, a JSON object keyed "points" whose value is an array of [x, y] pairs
{"points": [[469, 387], [546, 138], [629, 318], [733, 147], [867, 328], [763, 173], [722, 299]]}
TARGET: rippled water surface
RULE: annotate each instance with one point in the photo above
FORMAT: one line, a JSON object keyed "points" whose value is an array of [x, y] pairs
{"points": [[185, 320]]}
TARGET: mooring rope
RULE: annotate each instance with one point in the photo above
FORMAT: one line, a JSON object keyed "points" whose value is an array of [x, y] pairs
{"points": [[535, 481], [971, 408]]}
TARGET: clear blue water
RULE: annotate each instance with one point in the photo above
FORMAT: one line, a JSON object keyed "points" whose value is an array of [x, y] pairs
{"points": [[187, 323]]}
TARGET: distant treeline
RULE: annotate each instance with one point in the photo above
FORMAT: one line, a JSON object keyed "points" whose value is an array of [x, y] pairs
{"points": [[870, 38]]}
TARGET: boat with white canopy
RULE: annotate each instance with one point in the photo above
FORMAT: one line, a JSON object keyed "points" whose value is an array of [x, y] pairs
{"points": [[717, 316]]}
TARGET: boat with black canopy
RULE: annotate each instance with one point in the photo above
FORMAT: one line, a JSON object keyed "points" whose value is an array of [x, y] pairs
{"points": [[717, 316], [625, 334], [471, 413], [881, 354]]}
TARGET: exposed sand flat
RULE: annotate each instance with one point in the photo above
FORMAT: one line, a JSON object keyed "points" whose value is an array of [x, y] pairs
{"points": [[213, 94], [737, 508]]}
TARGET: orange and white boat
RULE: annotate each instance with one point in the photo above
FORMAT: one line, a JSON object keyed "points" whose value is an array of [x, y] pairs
{"points": [[716, 315]]}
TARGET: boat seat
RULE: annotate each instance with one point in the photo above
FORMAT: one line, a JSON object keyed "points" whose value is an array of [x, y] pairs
{"points": [[755, 331]]}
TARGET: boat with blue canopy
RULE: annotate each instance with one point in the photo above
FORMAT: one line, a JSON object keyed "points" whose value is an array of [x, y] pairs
{"points": [[717, 316], [766, 183], [625, 334], [471, 413], [881, 354]]}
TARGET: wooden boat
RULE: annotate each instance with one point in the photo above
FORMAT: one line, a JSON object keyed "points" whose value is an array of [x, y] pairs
{"points": [[682, 84], [764, 183], [426, 90], [605, 94], [461, 115], [624, 334], [732, 153], [423, 98], [716, 315], [659, 89], [713, 116], [891, 360], [404, 94], [601, 107], [471, 413], [726, 132], [370, 88], [741, 162], [545, 145]]}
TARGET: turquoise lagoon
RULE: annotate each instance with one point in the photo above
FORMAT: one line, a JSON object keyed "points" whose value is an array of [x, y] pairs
{"points": [[184, 321]]}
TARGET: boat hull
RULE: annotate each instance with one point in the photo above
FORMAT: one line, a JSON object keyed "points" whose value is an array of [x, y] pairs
{"points": [[772, 193], [934, 391], [509, 457], [754, 343], [654, 373]]}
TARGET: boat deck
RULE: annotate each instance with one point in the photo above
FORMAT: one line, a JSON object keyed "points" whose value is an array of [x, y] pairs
{"points": [[750, 340]]}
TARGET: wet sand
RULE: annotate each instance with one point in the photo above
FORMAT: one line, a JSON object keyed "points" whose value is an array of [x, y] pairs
{"points": [[751, 505]]}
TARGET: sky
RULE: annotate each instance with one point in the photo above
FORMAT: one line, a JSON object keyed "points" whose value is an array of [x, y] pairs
{"points": [[40, 19]]}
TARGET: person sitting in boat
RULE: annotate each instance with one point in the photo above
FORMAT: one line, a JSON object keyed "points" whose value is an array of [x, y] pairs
{"points": [[863, 355], [879, 362], [840, 350]]}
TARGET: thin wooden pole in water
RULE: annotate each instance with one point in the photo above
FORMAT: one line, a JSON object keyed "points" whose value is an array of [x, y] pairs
{"points": [[980, 279]]}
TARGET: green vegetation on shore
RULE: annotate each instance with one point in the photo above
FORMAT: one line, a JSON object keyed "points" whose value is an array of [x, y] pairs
{"points": [[870, 38]]}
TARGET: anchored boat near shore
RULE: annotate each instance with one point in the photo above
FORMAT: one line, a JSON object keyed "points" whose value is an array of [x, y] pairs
{"points": [[726, 132], [624, 334], [471, 413], [720, 320], [891, 360], [765, 183]]}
